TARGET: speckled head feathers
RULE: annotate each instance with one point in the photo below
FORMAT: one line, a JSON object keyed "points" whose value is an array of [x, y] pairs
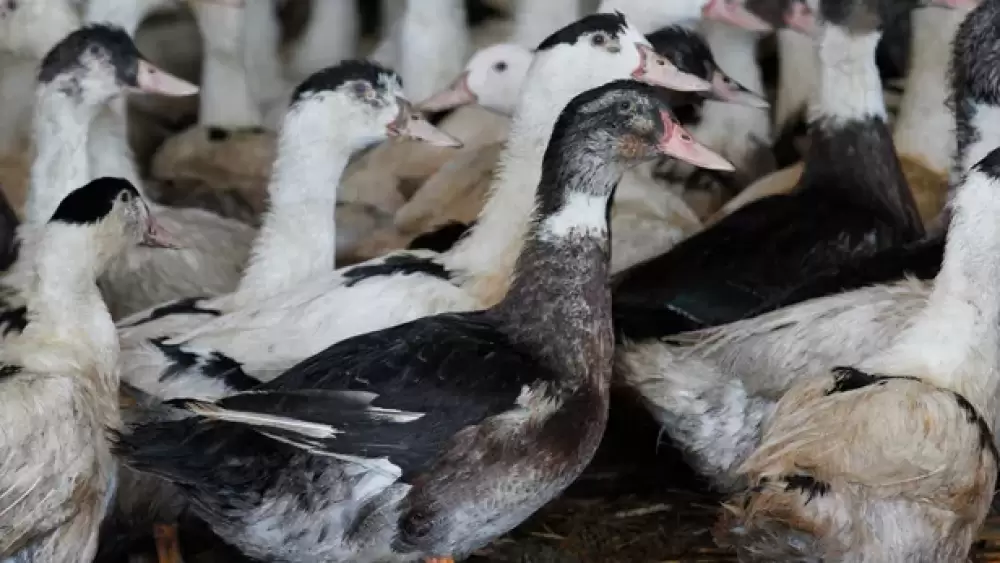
{"points": [[685, 48], [104, 42], [975, 62], [613, 24], [332, 78], [93, 202]]}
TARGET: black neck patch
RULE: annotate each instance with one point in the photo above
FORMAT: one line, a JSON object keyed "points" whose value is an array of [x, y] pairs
{"points": [[333, 77], [612, 24], [99, 40], [93, 202]]}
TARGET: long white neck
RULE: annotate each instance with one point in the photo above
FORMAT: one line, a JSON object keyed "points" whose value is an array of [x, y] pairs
{"points": [[433, 45], [125, 13], [330, 36], [534, 20], [954, 341], [925, 126], [298, 236], [17, 81], [260, 56], [649, 15], [491, 248], [108, 146], [797, 75], [850, 87], [61, 164], [226, 99], [67, 312], [734, 130]]}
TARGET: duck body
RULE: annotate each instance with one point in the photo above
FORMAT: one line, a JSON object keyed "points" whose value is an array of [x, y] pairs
{"points": [[433, 437]]}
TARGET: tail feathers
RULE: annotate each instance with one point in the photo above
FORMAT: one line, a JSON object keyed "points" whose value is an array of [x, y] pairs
{"points": [[259, 421]]}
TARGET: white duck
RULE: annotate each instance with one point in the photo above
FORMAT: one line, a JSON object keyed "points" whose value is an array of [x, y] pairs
{"points": [[276, 333], [59, 375]]}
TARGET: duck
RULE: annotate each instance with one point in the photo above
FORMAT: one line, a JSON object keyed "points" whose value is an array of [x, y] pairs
{"points": [[334, 114], [922, 129], [894, 457], [461, 482], [59, 385], [406, 285], [767, 247], [660, 14], [740, 370]]}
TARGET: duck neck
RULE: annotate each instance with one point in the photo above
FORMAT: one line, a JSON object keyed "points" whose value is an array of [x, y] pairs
{"points": [[797, 76], [923, 128], [848, 124], [433, 45], [561, 277], [16, 96], [954, 341], [330, 35], [226, 99], [66, 306], [298, 236], [534, 21], [127, 14], [487, 255], [850, 88], [61, 165], [109, 150]]}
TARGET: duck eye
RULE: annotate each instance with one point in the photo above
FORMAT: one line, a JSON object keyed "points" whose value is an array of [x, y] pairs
{"points": [[598, 40], [500, 66], [362, 89], [126, 197], [625, 105], [94, 50]]}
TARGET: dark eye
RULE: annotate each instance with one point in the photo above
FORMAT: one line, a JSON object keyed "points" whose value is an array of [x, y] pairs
{"points": [[598, 40], [94, 50], [126, 197], [361, 88], [500, 66], [625, 105]]}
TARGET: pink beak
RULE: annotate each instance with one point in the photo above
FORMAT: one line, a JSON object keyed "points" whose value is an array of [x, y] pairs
{"points": [[409, 123], [678, 143], [158, 237], [456, 95], [734, 12], [153, 80], [656, 69]]}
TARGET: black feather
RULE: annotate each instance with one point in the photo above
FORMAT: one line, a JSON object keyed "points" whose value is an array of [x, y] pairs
{"points": [[397, 264], [612, 24], [98, 40], [93, 202]]}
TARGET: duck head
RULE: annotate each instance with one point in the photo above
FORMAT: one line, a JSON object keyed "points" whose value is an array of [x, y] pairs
{"points": [[362, 102], [492, 78], [99, 62], [691, 54], [113, 214]]}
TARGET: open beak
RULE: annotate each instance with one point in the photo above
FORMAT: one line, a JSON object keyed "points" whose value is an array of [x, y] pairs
{"points": [[409, 123], [725, 89], [158, 237], [678, 143], [734, 12], [801, 18], [456, 95], [153, 80], [656, 69]]}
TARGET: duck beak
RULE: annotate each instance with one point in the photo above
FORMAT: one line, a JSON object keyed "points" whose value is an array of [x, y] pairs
{"points": [[678, 143], [725, 89], [153, 80], [801, 18], [456, 95], [656, 69], [734, 12], [411, 124], [158, 237]]}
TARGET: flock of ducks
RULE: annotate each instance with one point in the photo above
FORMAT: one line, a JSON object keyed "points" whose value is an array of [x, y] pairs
{"points": [[824, 347]]}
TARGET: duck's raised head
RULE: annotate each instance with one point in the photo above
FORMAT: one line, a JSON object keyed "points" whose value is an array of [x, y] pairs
{"points": [[689, 52], [361, 101], [626, 123], [98, 62], [112, 210], [492, 78], [604, 47]]}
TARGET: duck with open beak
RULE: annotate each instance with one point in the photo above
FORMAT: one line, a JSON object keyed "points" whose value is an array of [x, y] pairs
{"points": [[734, 12], [410, 124], [678, 143]]}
